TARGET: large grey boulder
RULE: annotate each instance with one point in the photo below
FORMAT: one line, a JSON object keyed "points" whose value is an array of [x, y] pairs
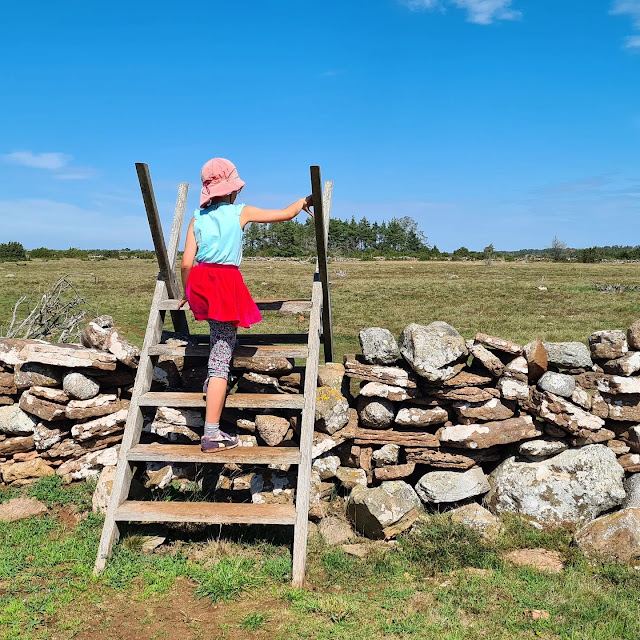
{"points": [[378, 346], [615, 536], [452, 486], [568, 355], [16, 422], [374, 510], [559, 383], [432, 349], [80, 387], [566, 490]]}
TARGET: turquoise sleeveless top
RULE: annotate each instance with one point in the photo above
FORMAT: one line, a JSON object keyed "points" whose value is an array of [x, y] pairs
{"points": [[218, 233]]}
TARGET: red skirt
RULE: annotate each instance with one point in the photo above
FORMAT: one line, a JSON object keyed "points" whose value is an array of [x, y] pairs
{"points": [[218, 292]]}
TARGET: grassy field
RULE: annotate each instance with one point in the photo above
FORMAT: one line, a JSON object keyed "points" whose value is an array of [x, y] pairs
{"points": [[501, 299], [441, 582]]}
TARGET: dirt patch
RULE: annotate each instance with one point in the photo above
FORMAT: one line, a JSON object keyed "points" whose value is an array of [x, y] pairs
{"points": [[540, 559], [179, 615], [69, 516]]}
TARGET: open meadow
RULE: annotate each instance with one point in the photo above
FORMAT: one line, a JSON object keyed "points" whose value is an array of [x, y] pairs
{"points": [[501, 299], [439, 580]]}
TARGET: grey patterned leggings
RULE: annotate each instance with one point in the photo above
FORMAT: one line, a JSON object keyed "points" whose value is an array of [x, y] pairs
{"points": [[223, 337]]}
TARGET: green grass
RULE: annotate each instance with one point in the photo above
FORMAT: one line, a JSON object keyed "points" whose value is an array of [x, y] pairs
{"points": [[421, 589], [500, 299], [254, 621], [424, 588]]}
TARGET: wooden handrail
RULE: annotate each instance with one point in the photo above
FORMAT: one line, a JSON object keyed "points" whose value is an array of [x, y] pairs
{"points": [[321, 211]]}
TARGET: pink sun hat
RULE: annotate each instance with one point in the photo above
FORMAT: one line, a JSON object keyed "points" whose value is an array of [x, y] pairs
{"points": [[219, 178]]}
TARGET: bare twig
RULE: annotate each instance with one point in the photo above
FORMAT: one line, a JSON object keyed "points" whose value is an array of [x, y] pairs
{"points": [[57, 314]]}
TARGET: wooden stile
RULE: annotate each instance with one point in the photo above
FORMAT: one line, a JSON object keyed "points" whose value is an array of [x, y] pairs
{"points": [[167, 298]]}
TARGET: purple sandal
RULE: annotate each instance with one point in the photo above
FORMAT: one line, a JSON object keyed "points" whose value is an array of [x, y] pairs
{"points": [[209, 444]]}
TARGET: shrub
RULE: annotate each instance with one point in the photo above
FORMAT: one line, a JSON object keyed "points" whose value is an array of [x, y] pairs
{"points": [[12, 251]]}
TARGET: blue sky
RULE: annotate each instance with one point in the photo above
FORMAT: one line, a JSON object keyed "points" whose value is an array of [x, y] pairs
{"points": [[504, 121]]}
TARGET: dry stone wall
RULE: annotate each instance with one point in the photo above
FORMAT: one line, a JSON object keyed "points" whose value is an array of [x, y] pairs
{"points": [[545, 430], [63, 406], [550, 431]]}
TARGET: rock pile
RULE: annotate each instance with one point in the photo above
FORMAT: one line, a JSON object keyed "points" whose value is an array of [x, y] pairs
{"points": [[63, 406], [545, 430]]}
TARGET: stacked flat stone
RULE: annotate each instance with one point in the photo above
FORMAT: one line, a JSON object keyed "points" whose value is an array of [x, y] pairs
{"points": [[541, 429], [63, 407]]}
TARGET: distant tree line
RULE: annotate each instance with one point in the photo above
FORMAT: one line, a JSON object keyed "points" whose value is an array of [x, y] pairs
{"points": [[15, 252], [399, 236], [349, 238]]}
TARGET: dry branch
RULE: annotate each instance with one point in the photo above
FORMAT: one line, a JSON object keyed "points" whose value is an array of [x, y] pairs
{"points": [[56, 316]]}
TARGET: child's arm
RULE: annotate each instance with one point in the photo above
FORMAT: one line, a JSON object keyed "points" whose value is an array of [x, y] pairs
{"points": [[188, 258], [254, 214]]}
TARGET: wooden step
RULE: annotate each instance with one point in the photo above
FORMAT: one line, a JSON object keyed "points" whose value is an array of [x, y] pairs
{"points": [[263, 305], [245, 338], [234, 400], [206, 512], [247, 351], [191, 453]]}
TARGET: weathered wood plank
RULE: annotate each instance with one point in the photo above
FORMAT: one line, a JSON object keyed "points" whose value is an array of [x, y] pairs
{"points": [[246, 338], [234, 400], [263, 305], [179, 319], [306, 440], [206, 512], [191, 453], [133, 428], [248, 351], [146, 187], [319, 213]]}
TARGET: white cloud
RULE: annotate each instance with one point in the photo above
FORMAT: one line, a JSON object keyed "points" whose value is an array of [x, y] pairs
{"points": [[478, 11], [38, 160], [629, 8], [75, 173], [632, 42], [422, 5], [486, 11], [57, 163]]}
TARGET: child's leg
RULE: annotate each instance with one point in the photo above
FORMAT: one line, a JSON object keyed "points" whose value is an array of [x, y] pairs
{"points": [[222, 341]]}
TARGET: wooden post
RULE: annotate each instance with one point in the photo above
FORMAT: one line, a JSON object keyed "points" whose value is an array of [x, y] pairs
{"points": [[133, 428], [166, 259], [179, 318], [306, 440], [166, 272], [322, 228]]}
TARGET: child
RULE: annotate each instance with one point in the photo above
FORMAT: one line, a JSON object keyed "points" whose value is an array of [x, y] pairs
{"points": [[214, 287]]}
